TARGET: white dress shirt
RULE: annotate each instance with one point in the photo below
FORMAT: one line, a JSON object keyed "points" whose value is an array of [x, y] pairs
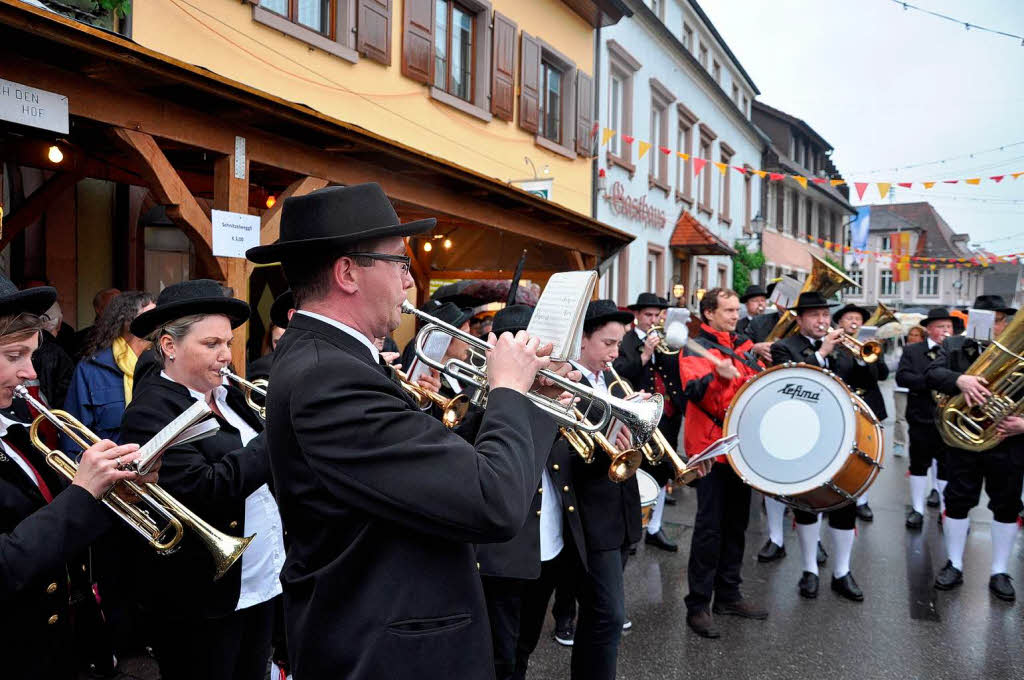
{"points": [[931, 343], [596, 379], [264, 558], [5, 423], [346, 329]]}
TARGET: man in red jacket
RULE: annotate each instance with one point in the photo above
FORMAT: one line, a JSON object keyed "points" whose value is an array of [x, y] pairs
{"points": [[723, 500]]}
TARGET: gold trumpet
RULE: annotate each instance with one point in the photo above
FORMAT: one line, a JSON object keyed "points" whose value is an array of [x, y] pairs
{"points": [[225, 549], [662, 348], [624, 464], [258, 386], [452, 410], [867, 350], [658, 447]]}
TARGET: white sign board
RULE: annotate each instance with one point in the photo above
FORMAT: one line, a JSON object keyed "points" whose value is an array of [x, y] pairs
{"points": [[31, 106], [234, 233]]}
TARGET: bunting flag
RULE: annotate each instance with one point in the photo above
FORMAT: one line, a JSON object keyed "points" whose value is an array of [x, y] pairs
{"points": [[861, 188], [684, 156], [837, 182], [883, 189], [606, 136], [628, 139], [901, 256], [722, 167], [974, 180], [802, 181], [905, 185], [644, 148], [698, 165], [776, 176], [1015, 175], [898, 258], [928, 185], [665, 150], [740, 170], [760, 173]]}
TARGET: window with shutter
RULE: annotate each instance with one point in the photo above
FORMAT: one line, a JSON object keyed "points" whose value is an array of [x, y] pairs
{"points": [[503, 68], [418, 40], [329, 25], [529, 83], [585, 132], [374, 30]]}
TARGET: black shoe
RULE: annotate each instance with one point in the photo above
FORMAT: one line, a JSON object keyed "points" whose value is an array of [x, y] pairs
{"points": [[627, 624], [670, 500], [565, 631], [915, 520], [933, 499], [771, 552], [949, 577], [660, 540], [864, 513], [847, 587], [822, 556], [702, 624], [1001, 587], [741, 608], [632, 549], [808, 585]]}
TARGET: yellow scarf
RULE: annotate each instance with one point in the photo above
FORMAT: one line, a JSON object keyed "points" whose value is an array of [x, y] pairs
{"points": [[125, 358]]}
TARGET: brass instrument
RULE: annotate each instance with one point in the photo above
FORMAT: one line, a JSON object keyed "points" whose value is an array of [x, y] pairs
{"points": [[1002, 365], [662, 348], [868, 351], [225, 549], [825, 279], [881, 316], [659, 447], [624, 464], [640, 417], [258, 386], [452, 410]]}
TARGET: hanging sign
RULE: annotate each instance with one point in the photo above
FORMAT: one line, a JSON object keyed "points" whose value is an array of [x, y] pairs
{"points": [[34, 107], [234, 233]]}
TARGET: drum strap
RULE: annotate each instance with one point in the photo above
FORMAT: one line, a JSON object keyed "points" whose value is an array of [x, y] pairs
{"points": [[748, 361], [716, 421]]}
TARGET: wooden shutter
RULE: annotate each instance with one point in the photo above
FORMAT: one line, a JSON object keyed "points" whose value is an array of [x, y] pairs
{"points": [[529, 84], [418, 41], [373, 35], [503, 68], [584, 114]]}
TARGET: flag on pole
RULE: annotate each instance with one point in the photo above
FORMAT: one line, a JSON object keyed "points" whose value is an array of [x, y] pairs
{"points": [[859, 227]]}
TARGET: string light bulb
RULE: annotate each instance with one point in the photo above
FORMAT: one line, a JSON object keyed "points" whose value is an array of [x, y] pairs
{"points": [[271, 201], [55, 154], [427, 247], [447, 244]]}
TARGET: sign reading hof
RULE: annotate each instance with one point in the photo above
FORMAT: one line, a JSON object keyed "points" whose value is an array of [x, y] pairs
{"points": [[34, 107], [234, 233]]}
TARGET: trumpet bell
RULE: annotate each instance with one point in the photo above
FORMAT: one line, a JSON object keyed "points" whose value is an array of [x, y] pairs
{"points": [[624, 465]]}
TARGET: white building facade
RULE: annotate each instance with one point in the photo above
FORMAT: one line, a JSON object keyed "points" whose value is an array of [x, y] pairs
{"points": [[668, 79]]}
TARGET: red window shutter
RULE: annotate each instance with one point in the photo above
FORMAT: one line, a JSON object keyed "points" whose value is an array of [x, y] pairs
{"points": [[529, 84], [584, 114], [418, 41], [503, 68], [373, 35]]}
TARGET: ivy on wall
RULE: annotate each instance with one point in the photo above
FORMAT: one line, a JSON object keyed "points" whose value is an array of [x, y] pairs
{"points": [[744, 262]]}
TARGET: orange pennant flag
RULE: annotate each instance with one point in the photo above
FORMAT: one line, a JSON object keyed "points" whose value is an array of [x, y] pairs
{"points": [[883, 188], [684, 156], [722, 167], [928, 185], [644, 148], [973, 180], [1015, 175], [802, 181], [606, 136], [836, 182], [762, 173]]}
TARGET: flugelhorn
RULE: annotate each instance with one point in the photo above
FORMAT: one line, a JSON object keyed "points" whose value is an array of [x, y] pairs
{"points": [[624, 464], [452, 410], [249, 388], [164, 538], [640, 417]]}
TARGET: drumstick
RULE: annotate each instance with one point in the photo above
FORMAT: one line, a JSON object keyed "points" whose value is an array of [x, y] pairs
{"points": [[704, 352]]}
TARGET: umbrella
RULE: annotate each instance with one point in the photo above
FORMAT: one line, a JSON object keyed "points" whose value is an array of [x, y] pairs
{"points": [[476, 292], [907, 320]]}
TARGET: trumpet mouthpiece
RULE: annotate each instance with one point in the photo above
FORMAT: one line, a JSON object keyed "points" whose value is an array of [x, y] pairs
{"points": [[20, 391], [407, 307]]}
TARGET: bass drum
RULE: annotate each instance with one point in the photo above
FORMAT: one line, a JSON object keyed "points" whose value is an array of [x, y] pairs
{"points": [[648, 496], [804, 438]]}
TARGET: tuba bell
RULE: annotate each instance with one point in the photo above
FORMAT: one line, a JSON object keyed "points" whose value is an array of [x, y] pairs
{"points": [[881, 316], [825, 279]]}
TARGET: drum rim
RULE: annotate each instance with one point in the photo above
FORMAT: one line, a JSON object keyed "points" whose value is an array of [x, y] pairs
{"points": [[642, 477]]}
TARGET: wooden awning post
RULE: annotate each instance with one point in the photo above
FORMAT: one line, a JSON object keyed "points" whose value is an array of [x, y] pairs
{"points": [[231, 193]]}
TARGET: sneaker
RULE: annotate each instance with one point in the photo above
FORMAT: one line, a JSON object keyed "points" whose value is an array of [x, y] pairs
{"points": [[627, 624], [565, 631]]}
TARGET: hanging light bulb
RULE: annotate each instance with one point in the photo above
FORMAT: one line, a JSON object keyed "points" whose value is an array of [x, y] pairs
{"points": [[271, 201], [427, 247], [447, 244], [55, 154]]}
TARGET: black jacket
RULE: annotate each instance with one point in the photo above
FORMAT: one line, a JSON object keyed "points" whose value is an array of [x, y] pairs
{"points": [[42, 550], [641, 376], [795, 348], [610, 511], [382, 505], [955, 356], [212, 478], [54, 369], [260, 368], [911, 374], [758, 328]]}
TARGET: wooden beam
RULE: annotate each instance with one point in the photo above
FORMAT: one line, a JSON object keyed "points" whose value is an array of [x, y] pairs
{"points": [[232, 194], [170, 190], [35, 205], [270, 229], [576, 260]]}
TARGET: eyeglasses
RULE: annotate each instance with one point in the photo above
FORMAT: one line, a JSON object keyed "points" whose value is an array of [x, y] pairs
{"points": [[404, 260]]}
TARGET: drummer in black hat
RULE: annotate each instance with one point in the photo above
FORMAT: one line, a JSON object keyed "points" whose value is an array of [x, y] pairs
{"points": [[44, 521], [815, 344], [280, 312], [755, 299], [382, 502], [998, 469]]}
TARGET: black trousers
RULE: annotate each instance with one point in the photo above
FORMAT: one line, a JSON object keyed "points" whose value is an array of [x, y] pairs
{"points": [[233, 647], [843, 518], [602, 599], [998, 468], [504, 598], [556, 575], [926, 445], [716, 551]]}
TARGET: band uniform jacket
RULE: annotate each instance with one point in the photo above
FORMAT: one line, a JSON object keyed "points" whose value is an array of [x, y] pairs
{"points": [[630, 365], [42, 563], [911, 374], [863, 379], [382, 505], [260, 368], [211, 477], [758, 328]]}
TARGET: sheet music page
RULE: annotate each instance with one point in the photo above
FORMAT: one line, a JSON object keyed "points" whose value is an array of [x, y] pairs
{"points": [[980, 323], [435, 347], [721, 447], [558, 318], [154, 448], [786, 292]]}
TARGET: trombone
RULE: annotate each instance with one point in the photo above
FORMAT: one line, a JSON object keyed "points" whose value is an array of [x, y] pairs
{"points": [[640, 417], [452, 410], [225, 549], [624, 463], [258, 386]]}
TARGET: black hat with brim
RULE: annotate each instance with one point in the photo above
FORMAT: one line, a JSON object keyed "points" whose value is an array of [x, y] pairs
{"points": [[284, 303], [202, 296], [753, 291], [452, 314], [647, 300], [331, 219], [994, 303], [511, 319], [937, 314], [809, 300], [33, 300], [600, 312], [850, 307]]}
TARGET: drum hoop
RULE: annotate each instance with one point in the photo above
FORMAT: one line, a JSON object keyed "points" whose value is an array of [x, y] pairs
{"points": [[642, 478]]}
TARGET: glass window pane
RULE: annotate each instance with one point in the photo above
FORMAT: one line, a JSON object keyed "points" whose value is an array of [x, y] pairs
{"points": [[461, 80], [441, 43], [278, 6], [313, 14], [615, 114], [552, 103]]}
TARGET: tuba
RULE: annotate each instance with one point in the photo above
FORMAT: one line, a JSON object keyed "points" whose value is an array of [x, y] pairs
{"points": [[825, 279], [881, 316], [1002, 365]]}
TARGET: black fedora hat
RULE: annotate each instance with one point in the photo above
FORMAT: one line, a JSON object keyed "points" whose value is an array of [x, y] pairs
{"points": [[333, 218], [600, 312], [994, 303], [512, 319], [33, 300], [753, 291], [202, 296], [809, 300], [850, 307], [937, 314], [452, 314], [645, 300], [284, 303]]}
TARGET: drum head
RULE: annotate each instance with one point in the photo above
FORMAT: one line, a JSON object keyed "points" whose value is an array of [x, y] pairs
{"points": [[648, 488], [796, 425]]}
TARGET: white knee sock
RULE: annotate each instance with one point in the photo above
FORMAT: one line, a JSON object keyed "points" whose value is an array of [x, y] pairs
{"points": [[842, 547], [940, 486], [775, 512], [918, 490], [863, 499], [954, 532], [1003, 535], [933, 473], [654, 526], [808, 535]]}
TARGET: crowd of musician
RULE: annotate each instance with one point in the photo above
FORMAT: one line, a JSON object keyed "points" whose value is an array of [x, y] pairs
{"points": [[348, 521]]}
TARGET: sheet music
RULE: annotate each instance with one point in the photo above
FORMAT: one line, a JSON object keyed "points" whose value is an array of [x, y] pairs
{"points": [[435, 347], [786, 292], [865, 333], [162, 440], [722, 447], [980, 323], [558, 318]]}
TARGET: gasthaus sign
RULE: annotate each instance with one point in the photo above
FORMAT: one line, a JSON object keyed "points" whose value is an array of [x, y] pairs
{"points": [[34, 107]]}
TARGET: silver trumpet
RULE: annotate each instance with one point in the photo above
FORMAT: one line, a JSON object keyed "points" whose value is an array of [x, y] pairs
{"points": [[588, 412]]}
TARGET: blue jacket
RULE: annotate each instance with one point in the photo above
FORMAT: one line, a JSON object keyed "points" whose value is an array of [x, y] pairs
{"points": [[96, 395]]}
